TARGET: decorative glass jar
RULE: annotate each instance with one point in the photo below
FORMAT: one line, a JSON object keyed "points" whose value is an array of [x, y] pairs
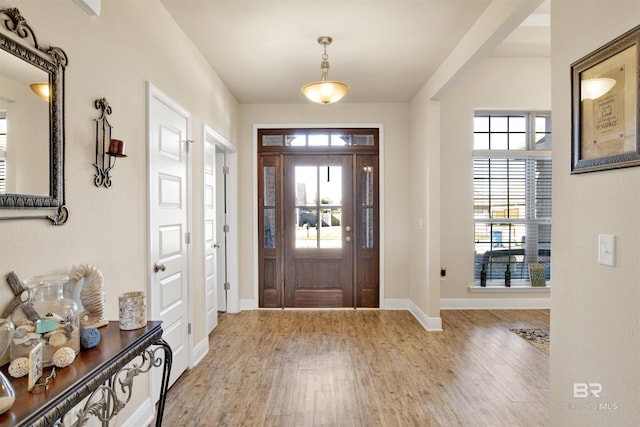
{"points": [[47, 317], [7, 393]]}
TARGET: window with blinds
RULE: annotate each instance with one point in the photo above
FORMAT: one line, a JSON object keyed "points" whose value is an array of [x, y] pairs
{"points": [[512, 194]]}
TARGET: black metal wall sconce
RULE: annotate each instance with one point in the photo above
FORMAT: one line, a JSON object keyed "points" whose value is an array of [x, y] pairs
{"points": [[107, 148]]}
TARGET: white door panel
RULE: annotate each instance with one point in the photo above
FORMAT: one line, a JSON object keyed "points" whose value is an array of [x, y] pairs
{"points": [[169, 131], [220, 169], [221, 217], [210, 265]]}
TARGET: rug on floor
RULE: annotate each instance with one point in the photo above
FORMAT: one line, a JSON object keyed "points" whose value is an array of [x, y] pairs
{"points": [[537, 337]]}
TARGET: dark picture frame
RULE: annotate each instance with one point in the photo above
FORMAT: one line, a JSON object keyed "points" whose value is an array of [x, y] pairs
{"points": [[605, 99]]}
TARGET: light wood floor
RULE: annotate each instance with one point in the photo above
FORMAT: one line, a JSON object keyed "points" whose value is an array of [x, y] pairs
{"points": [[366, 368]]}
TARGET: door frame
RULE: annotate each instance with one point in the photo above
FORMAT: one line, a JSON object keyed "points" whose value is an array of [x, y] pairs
{"points": [[253, 304], [153, 311], [222, 144]]}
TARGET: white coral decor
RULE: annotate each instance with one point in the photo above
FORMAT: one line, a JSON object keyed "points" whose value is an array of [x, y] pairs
{"points": [[63, 357], [19, 367]]}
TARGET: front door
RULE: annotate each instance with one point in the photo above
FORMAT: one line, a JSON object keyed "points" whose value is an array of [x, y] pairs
{"points": [[318, 221], [318, 218]]}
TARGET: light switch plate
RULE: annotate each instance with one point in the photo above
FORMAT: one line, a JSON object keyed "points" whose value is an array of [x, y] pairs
{"points": [[607, 249]]}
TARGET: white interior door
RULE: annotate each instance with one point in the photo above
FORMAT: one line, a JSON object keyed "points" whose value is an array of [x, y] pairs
{"points": [[221, 234], [211, 270], [169, 133], [223, 217]]}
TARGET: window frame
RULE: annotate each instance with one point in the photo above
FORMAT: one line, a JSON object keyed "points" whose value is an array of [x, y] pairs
{"points": [[530, 218]]}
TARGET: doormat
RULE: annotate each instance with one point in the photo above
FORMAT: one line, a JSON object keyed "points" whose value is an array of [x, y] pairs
{"points": [[537, 337]]}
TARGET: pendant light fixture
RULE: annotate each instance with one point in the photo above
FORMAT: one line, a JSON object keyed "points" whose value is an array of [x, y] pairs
{"points": [[325, 91]]}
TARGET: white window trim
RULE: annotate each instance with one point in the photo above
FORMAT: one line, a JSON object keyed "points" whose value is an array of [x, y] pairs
{"points": [[529, 153]]}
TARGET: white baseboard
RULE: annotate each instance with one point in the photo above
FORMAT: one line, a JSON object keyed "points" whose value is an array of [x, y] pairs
{"points": [[396, 304], [200, 351], [248, 304], [143, 416], [431, 324], [494, 303]]}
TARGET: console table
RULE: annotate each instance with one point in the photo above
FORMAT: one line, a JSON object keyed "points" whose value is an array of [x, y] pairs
{"points": [[103, 373]]}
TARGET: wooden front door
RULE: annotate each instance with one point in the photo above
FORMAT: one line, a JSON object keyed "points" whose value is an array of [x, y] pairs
{"points": [[318, 240], [318, 218]]}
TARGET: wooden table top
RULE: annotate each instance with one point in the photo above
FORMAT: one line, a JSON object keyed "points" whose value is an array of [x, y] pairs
{"points": [[91, 368]]}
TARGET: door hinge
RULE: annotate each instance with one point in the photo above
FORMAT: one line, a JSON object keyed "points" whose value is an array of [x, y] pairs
{"points": [[227, 286], [226, 228], [189, 328], [187, 238], [225, 170]]}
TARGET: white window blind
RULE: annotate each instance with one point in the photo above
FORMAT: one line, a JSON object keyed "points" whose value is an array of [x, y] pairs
{"points": [[512, 193]]}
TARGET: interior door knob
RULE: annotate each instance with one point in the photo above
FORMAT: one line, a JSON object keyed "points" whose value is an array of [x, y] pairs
{"points": [[348, 228], [158, 267], [348, 239], [216, 245]]}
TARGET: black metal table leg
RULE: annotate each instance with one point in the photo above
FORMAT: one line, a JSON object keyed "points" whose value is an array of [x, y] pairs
{"points": [[166, 374]]}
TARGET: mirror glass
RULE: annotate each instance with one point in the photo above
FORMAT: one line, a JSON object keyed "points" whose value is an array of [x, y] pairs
{"points": [[31, 127], [24, 118]]}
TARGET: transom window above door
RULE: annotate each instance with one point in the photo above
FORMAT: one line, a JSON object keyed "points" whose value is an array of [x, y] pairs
{"points": [[283, 140]]}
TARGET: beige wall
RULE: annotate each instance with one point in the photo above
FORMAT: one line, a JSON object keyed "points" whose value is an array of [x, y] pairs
{"points": [[496, 83], [595, 309], [424, 208], [113, 56], [441, 183], [394, 118]]}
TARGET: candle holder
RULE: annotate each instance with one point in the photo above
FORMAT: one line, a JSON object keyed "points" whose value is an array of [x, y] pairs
{"points": [[107, 148]]}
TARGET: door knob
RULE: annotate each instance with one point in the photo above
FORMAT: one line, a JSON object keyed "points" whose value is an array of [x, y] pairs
{"points": [[348, 239], [158, 267], [347, 228], [216, 245]]}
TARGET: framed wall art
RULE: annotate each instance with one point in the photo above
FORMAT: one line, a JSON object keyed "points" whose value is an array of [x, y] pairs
{"points": [[604, 91]]}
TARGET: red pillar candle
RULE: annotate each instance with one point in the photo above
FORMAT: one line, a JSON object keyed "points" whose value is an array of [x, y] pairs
{"points": [[116, 148]]}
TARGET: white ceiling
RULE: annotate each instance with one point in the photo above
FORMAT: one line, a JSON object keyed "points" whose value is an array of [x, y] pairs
{"points": [[265, 50]]}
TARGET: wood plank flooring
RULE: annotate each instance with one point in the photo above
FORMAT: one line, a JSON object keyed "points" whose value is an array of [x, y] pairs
{"points": [[366, 368]]}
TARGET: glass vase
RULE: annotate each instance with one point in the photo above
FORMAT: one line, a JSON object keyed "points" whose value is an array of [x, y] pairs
{"points": [[7, 393], [47, 317]]}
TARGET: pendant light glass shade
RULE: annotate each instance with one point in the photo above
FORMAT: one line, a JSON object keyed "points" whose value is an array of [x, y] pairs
{"points": [[325, 91]]}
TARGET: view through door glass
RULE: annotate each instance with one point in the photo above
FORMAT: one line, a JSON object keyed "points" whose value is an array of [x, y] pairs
{"points": [[318, 201]]}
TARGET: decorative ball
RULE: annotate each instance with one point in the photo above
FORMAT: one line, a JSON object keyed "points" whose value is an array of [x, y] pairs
{"points": [[19, 367], [63, 357], [89, 337]]}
